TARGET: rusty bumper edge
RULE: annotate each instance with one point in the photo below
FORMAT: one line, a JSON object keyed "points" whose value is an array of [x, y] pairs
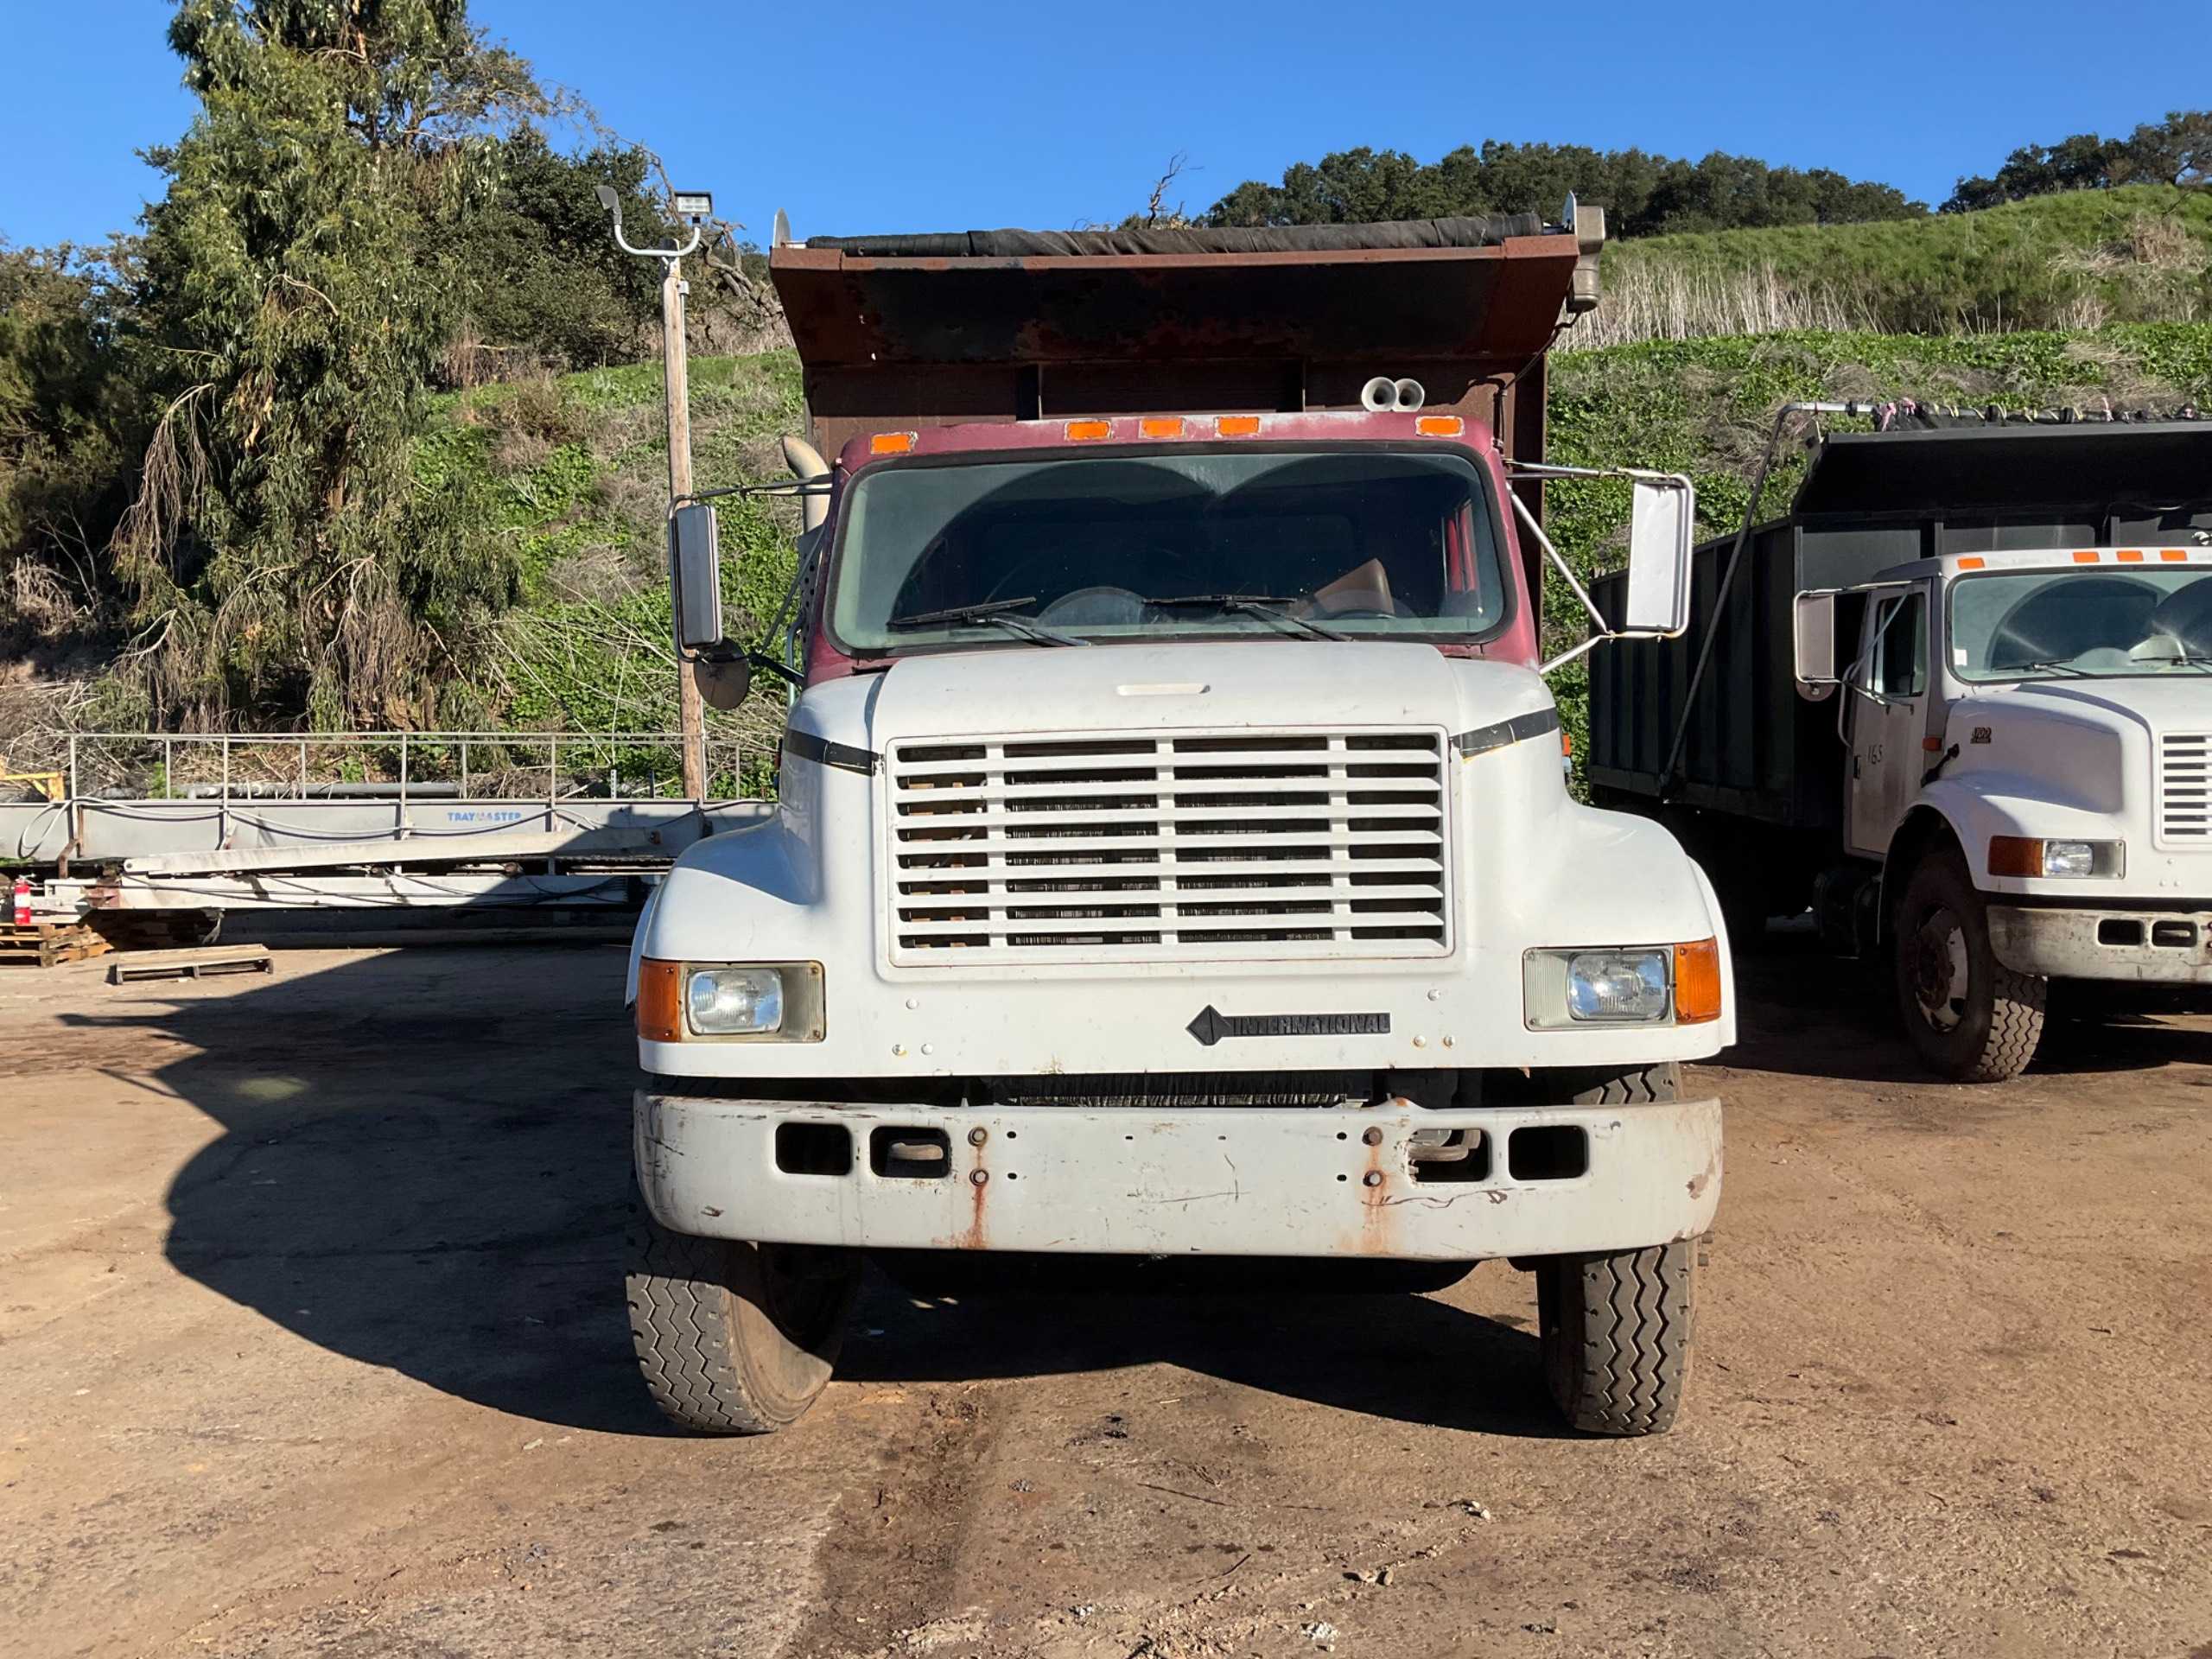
{"points": [[2067, 945], [1234, 1182]]}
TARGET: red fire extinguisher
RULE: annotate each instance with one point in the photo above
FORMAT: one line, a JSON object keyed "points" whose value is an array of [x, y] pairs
{"points": [[23, 896]]}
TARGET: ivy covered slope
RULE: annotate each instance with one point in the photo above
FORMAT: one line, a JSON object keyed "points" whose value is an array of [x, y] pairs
{"points": [[571, 474], [1705, 407]]}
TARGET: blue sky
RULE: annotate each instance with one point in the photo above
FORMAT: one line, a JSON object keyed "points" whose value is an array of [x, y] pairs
{"points": [[949, 116]]}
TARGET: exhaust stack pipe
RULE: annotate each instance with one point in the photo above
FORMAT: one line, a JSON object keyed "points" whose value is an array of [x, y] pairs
{"points": [[1383, 393]]}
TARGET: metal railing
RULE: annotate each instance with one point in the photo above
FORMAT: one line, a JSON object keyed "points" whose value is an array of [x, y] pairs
{"points": [[548, 767]]}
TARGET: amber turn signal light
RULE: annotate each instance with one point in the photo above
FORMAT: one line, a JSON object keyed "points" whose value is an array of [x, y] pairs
{"points": [[1697, 982], [660, 1001]]}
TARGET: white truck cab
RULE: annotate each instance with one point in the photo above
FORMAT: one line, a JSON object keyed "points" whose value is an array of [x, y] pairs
{"points": [[2029, 740], [1171, 854]]}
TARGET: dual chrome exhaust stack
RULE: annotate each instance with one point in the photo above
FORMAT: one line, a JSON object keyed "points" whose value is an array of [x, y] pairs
{"points": [[1383, 392]]}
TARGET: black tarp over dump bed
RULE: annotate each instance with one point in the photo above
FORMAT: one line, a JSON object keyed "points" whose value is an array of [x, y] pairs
{"points": [[1753, 748]]}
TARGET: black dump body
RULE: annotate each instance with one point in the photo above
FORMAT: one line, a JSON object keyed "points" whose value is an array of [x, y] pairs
{"points": [[1752, 748]]}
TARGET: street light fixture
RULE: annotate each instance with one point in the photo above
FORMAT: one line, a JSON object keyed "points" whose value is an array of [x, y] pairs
{"points": [[694, 205]]}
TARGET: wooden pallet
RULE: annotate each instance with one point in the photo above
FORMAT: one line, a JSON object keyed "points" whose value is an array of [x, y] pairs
{"points": [[47, 944], [202, 963]]}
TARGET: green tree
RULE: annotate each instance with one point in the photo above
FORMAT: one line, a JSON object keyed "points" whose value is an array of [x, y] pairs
{"points": [[1644, 194], [70, 416], [302, 280]]}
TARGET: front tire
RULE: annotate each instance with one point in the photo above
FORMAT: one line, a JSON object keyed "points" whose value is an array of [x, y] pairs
{"points": [[1617, 1336], [735, 1338], [1616, 1328], [1972, 1019]]}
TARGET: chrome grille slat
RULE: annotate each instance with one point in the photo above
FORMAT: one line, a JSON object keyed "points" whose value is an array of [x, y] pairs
{"points": [[2185, 786], [1212, 845]]}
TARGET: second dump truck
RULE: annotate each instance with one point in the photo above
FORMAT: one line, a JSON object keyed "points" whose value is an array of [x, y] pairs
{"points": [[1957, 703], [1173, 854]]}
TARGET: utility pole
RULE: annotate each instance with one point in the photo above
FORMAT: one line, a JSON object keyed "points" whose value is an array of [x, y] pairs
{"points": [[696, 207], [675, 385]]}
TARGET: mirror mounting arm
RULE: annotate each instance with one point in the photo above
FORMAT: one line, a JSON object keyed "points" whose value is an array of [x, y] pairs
{"points": [[1605, 630]]}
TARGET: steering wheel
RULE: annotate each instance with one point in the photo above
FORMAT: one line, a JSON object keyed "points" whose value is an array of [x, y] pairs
{"points": [[1345, 612], [1102, 606]]}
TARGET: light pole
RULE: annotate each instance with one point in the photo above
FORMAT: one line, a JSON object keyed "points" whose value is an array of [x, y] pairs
{"points": [[696, 207]]}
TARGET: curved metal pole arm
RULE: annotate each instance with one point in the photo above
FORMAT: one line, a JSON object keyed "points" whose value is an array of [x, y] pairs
{"points": [[623, 243]]}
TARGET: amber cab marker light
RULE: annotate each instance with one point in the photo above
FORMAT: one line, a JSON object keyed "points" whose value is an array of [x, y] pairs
{"points": [[2015, 855], [2085, 555], [1238, 426], [2130, 555], [2174, 555], [1973, 562], [1089, 431], [891, 443], [660, 1001], [1169, 426], [1697, 982], [1440, 426]]}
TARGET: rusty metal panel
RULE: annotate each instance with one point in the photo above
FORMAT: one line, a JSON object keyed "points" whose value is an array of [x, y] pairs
{"points": [[1233, 1181], [1497, 304]]}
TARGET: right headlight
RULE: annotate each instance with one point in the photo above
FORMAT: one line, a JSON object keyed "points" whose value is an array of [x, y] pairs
{"points": [[1632, 985]]}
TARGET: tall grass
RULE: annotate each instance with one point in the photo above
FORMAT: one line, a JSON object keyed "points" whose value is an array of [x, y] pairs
{"points": [[2084, 260], [1658, 301]]}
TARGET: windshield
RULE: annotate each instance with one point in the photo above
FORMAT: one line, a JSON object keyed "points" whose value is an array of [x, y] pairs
{"points": [[2068, 623], [1337, 543]]}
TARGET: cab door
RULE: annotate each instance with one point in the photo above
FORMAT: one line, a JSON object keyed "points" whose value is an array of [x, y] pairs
{"points": [[1886, 698]]}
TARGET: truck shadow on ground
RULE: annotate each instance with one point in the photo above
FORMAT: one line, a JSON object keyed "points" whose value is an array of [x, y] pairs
{"points": [[1807, 1013], [1409, 1358], [424, 1166]]}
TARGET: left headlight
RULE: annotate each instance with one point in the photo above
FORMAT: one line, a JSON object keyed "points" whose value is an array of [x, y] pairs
{"points": [[2028, 856], [755, 1002], [1645, 985]]}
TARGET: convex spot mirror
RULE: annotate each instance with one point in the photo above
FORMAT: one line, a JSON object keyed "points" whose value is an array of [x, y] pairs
{"points": [[1813, 641], [723, 684], [1662, 517], [695, 569]]}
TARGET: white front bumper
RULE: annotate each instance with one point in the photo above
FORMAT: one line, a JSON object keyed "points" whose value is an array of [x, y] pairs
{"points": [[1233, 1182]]}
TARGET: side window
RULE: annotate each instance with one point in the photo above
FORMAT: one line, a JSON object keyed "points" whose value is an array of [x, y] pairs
{"points": [[1901, 652]]}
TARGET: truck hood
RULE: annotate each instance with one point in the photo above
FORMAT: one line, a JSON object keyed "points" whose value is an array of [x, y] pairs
{"points": [[2163, 702], [1223, 684]]}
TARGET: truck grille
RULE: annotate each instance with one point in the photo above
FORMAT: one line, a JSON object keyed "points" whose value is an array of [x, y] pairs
{"points": [[1145, 848], [2185, 786]]}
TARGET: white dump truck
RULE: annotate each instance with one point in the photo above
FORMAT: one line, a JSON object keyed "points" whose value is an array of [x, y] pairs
{"points": [[1173, 855], [1958, 702]]}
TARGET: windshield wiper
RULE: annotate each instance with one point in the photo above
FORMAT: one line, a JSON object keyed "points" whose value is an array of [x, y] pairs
{"points": [[2050, 667], [1268, 606], [991, 614]]}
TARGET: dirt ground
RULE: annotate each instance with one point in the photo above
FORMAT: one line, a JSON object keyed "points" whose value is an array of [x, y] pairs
{"points": [[312, 1341]]}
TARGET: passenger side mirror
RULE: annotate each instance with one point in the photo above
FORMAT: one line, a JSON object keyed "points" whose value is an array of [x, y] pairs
{"points": [[695, 570], [1813, 641], [1663, 511]]}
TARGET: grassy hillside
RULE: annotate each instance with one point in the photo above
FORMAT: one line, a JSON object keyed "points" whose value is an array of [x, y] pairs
{"points": [[2081, 260], [574, 470]]}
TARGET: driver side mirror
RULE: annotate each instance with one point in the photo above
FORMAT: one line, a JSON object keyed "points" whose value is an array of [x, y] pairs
{"points": [[695, 571], [1664, 510], [1814, 645]]}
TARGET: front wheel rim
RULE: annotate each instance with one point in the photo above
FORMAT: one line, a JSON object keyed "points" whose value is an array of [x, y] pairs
{"points": [[1942, 973]]}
